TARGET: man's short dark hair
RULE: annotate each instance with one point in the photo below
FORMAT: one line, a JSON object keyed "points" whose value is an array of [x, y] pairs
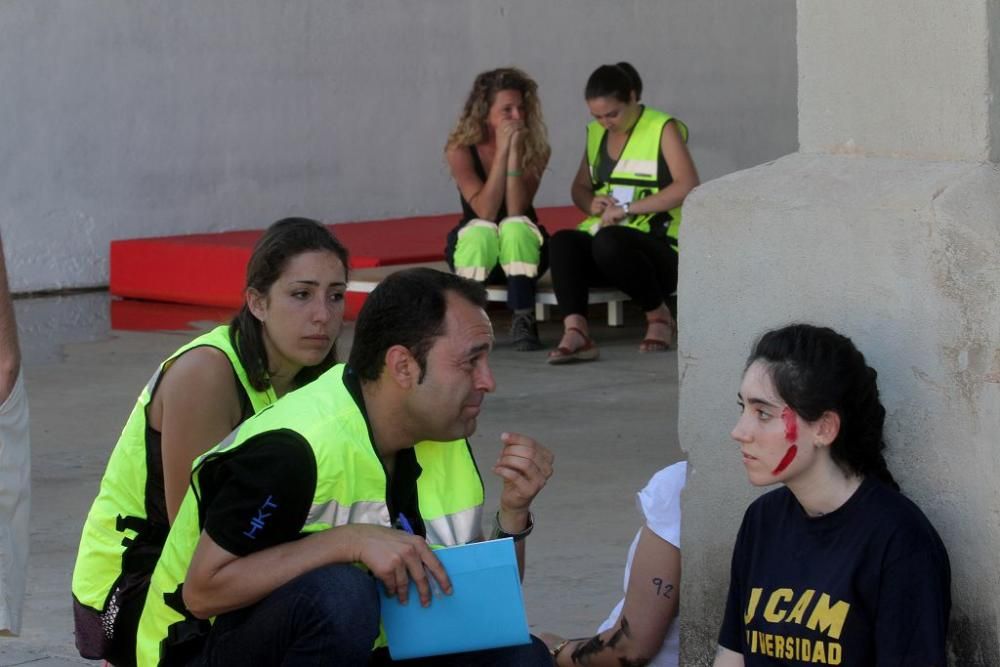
{"points": [[407, 309]]}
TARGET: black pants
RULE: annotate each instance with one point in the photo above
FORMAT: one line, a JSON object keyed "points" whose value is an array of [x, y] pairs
{"points": [[634, 262]]}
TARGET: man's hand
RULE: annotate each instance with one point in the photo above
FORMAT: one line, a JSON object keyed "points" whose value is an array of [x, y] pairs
{"points": [[525, 467], [395, 558]]}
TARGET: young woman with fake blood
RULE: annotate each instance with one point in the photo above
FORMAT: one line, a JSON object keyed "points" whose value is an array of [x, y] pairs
{"points": [[836, 566]]}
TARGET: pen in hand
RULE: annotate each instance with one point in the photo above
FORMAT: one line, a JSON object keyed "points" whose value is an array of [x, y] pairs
{"points": [[405, 525]]}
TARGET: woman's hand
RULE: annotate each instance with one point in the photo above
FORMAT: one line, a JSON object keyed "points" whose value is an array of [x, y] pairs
{"points": [[516, 148], [517, 139], [612, 215], [506, 132], [600, 203]]}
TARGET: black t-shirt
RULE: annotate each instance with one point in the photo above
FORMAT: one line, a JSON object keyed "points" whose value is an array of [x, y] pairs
{"points": [[259, 494], [868, 584]]}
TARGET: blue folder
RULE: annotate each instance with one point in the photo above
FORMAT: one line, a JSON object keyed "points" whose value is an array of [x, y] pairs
{"points": [[485, 609]]}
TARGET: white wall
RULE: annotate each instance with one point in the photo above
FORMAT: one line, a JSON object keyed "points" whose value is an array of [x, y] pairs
{"points": [[903, 256], [125, 119], [911, 79], [869, 230]]}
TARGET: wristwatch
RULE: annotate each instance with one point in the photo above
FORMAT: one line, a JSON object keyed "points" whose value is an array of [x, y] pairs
{"points": [[499, 533], [625, 207]]}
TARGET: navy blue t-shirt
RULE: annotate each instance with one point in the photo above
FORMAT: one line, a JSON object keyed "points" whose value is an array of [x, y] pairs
{"points": [[868, 584]]}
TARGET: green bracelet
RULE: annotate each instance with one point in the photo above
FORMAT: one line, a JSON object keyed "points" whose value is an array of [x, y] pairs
{"points": [[514, 172]]}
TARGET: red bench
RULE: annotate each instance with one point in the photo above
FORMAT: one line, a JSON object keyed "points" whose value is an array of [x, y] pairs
{"points": [[209, 269]]}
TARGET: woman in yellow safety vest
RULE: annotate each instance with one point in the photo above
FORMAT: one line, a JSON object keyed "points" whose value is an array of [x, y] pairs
{"points": [[635, 173], [282, 338], [497, 152]]}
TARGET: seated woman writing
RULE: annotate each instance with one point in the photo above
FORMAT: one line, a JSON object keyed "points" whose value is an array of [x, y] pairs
{"points": [[497, 152], [635, 173], [836, 566]]}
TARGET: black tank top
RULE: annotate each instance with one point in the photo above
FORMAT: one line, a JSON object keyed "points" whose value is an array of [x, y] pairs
{"points": [[468, 213]]}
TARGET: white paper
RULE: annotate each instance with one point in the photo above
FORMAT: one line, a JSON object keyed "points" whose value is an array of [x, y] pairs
{"points": [[622, 193]]}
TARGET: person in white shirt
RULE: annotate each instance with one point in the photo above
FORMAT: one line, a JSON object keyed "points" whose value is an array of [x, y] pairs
{"points": [[15, 467], [642, 629]]}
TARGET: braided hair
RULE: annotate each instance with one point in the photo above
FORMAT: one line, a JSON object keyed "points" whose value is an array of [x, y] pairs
{"points": [[816, 369]]}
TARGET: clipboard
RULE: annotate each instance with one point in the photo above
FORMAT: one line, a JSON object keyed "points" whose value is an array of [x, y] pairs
{"points": [[485, 609]]}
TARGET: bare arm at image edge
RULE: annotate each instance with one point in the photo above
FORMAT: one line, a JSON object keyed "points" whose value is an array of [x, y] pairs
{"points": [[10, 352], [15, 467]]}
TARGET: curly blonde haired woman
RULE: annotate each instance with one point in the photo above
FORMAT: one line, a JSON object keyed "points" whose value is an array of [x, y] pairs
{"points": [[497, 152]]}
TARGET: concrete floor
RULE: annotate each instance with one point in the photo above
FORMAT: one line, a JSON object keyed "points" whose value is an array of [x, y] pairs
{"points": [[611, 424]]}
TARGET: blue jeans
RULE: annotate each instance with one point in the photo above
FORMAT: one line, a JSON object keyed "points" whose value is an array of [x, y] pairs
{"points": [[528, 655], [325, 617], [329, 616]]}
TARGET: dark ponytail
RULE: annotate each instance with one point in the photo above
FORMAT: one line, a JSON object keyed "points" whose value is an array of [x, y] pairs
{"points": [[618, 81], [816, 369], [283, 241]]}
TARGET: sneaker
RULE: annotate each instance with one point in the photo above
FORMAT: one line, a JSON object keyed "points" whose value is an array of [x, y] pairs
{"points": [[524, 332]]}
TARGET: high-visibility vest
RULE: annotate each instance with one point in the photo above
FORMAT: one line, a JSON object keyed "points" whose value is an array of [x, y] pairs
{"points": [[350, 488], [118, 536], [636, 167]]}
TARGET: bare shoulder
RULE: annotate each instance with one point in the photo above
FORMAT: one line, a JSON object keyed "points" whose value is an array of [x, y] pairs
{"points": [[458, 157], [671, 133], [199, 371]]}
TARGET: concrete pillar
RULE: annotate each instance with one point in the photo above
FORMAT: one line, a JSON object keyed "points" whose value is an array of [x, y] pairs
{"points": [[886, 226]]}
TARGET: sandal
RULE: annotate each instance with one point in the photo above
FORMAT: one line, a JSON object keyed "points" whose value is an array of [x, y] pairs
{"points": [[586, 352], [655, 344]]}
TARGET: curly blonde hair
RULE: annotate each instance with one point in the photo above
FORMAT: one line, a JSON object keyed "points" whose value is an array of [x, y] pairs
{"points": [[471, 126]]}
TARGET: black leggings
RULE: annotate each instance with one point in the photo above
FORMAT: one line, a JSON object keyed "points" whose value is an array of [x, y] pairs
{"points": [[634, 262]]}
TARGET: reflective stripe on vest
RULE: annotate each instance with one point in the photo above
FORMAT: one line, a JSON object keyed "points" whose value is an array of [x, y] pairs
{"points": [[636, 166], [350, 488], [118, 516]]}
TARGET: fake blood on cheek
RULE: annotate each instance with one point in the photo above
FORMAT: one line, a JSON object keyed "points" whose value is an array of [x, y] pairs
{"points": [[791, 435]]}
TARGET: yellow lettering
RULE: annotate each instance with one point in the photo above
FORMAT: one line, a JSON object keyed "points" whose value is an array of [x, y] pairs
{"points": [[771, 612], [829, 620], [819, 655], [752, 605], [794, 648], [799, 611]]}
